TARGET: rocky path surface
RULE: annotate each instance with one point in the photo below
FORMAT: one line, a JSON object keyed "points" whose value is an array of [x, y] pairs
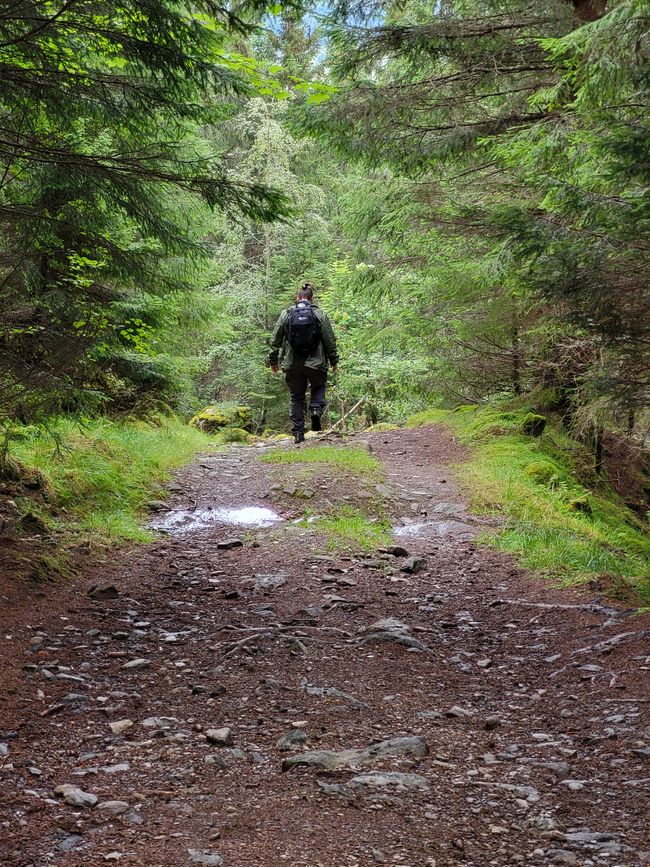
{"points": [[268, 703]]}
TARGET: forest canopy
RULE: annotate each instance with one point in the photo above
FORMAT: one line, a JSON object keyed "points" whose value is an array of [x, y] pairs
{"points": [[466, 185]]}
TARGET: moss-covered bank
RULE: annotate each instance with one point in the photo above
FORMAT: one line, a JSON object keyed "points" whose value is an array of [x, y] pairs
{"points": [[94, 480], [561, 519]]}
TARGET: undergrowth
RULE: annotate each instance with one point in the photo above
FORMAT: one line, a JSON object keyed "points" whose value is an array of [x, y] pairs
{"points": [[562, 519], [98, 478]]}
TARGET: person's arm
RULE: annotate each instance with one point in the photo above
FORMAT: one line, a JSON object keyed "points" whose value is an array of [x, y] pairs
{"points": [[329, 341], [275, 343]]}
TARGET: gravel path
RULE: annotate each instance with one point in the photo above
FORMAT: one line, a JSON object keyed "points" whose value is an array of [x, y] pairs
{"points": [[268, 703]]}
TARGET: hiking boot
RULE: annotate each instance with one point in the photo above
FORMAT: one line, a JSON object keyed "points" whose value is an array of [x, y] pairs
{"points": [[315, 422], [298, 437]]}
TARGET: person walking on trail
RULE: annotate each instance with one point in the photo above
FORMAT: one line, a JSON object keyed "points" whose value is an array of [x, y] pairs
{"points": [[304, 346]]}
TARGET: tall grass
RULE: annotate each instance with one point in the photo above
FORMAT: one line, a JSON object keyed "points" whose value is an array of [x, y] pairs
{"points": [[560, 518], [100, 476]]}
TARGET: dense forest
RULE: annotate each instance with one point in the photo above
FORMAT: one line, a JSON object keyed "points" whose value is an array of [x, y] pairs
{"points": [[466, 184]]}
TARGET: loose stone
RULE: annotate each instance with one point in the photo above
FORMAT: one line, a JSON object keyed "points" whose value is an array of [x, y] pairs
{"points": [[116, 808], [75, 796], [120, 726], [220, 737]]}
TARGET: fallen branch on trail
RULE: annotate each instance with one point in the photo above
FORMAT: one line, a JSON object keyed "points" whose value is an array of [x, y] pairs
{"points": [[343, 417]]}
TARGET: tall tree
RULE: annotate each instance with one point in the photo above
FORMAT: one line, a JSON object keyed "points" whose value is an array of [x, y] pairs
{"points": [[526, 129], [103, 169]]}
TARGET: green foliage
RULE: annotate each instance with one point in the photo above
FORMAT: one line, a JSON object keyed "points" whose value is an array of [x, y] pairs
{"points": [[354, 460], [553, 523], [525, 132], [108, 181], [100, 476]]}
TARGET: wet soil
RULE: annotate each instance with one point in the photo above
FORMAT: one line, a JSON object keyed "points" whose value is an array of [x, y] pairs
{"points": [[516, 714]]}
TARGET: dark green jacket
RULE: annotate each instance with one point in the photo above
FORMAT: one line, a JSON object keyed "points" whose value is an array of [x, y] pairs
{"points": [[281, 352]]}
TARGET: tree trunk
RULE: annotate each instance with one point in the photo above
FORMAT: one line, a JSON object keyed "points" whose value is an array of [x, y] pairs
{"points": [[589, 10], [516, 360], [599, 436]]}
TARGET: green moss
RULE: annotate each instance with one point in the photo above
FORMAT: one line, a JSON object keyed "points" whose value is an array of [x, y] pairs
{"points": [[381, 426], [235, 435], [543, 526], [543, 472], [355, 460], [533, 425], [214, 418], [580, 504]]}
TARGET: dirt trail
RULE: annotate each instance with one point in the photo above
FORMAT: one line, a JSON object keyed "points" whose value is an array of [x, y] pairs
{"points": [[221, 709]]}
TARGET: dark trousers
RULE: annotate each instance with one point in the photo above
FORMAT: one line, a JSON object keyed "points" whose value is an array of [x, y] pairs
{"points": [[299, 379]]}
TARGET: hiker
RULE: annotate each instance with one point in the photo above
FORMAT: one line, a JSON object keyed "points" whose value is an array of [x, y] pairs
{"points": [[303, 345]]}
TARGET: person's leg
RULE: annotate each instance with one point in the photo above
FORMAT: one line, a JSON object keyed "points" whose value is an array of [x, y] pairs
{"points": [[296, 379], [317, 403]]}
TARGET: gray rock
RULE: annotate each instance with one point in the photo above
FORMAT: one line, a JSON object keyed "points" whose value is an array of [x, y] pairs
{"points": [[292, 740], [116, 769], [115, 808], [589, 837], [330, 760], [449, 508], [135, 664], [72, 841], [333, 692], [413, 564], [562, 856], [457, 711], [205, 858], [159, 722], [390, 629], [227, 544], [220, 737], [76, 797], [120, 726], [574, 785], [101, 592], [386, 779], [269, 581]]}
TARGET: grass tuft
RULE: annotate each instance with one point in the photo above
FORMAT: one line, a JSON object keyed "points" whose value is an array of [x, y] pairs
{"points": [[351, 528]]}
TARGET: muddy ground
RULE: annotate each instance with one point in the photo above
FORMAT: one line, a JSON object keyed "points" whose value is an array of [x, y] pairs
{"points": [[273, 703]]}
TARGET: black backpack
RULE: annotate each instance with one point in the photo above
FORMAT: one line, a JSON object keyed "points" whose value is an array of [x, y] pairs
{"points": [[303, 329]]}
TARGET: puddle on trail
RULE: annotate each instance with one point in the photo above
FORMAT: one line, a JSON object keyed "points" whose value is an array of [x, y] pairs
{"points": [[436, 529], [189, 520]]}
